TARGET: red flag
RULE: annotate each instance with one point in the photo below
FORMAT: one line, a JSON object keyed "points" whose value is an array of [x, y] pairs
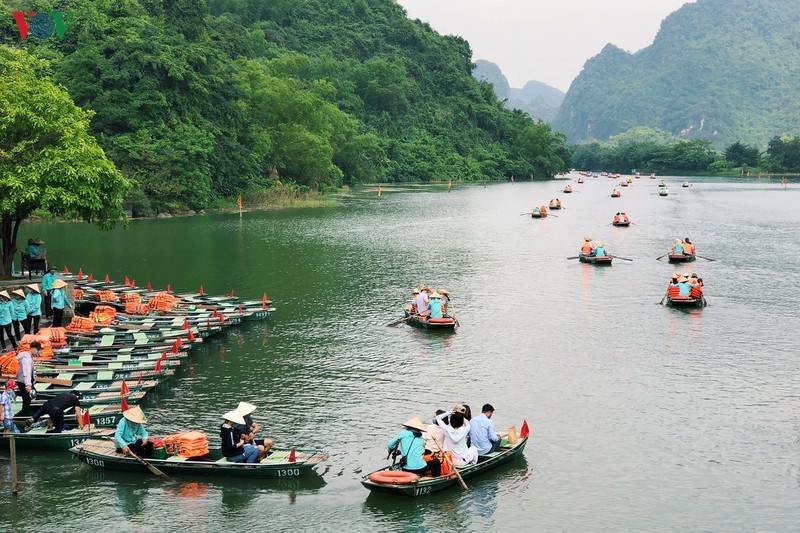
{"points": [[124, 388], [66, 270], [185, 324], [133, 282], [175, 347], [127, 280], [239, 201], [141, 375], [149, 287], [264, 301], [201, 291], [158, 365], [179, 342], [164, 355], [124, 405], [87, 420], [214, 314], [231, 294], [241, 309], [190, 336], [168, 291], [524, 431], [107, 279], [90, 278], [222, 318], [80, 273], [292, 458]]}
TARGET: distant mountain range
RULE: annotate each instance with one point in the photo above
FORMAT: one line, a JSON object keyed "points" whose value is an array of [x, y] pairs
{"points": [[538, 99], [720, 70]]}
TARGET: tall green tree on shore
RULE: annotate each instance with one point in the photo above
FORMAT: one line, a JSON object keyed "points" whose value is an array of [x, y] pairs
{"points": [[47, 158]]}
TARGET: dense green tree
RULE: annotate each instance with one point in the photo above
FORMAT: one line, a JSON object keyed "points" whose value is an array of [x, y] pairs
{"points": [[740, 154], [47, 158]]}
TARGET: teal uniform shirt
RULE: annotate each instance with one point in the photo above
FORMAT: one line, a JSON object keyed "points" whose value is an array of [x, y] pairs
{"points": [[33, 303], [20, 310], [129, 432], [60, 299], [6, 310], [47, 281], [599, 251], [411, 447], [435, 305]]}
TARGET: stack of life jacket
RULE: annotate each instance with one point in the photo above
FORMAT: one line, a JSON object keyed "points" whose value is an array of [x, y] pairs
{"points": [[187, 444], [103, 314], [105, 296], [163, 301], [137, 308]]}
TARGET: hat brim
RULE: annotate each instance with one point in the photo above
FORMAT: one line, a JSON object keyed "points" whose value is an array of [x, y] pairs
{"points": [[245, 408], [415, 423], [135, 414], [234, 416]]}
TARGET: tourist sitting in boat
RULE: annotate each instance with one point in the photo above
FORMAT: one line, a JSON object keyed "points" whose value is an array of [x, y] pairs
{"points": [[587, 248], [131, 436], [6, 402], [599, 250], [535, 211], [677, 247], [543, 210], [694, 279], [684, 286], [434, 435], [456, 432], [422, 300], [482, 434], [250, 428], [616, 217], [445, 300], [553, 203], [54, 408], [234, 448], [623, 217], [411, 446], [688, 247], [414, 295]]}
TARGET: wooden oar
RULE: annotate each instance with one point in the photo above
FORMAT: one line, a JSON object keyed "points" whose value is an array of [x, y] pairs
{"points": [[574, 257], [150, 467], [450, 463], [397, 322], [706, 258], [661, 257], [618, 257], [664, 298], [39, 379], [552, 215], [523, 214]]}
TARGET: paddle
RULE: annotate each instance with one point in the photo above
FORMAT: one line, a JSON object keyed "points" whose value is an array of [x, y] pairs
{"points": [[397, 322], [618, 257], [450, 463], [150, 467], [706, 258], [523, 214], [661, 257], [574, 257], [552, 215], [664, 298]]}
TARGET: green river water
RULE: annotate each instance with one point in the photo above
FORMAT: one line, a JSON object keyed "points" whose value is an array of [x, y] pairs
{"points": [[642, 417]]}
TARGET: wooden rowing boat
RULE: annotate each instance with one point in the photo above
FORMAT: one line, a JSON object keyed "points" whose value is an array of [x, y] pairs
{"points": [[685, 301], [538, 215], [621, 224], [553, 207], [682, 258], [435, 324], [99, 375], [428, 485], [94, 397], [102, 454], [663, 192], [38, 438], [599, 261], [102, 415]]}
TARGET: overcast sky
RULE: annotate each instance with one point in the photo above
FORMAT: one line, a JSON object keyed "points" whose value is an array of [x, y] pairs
{"points": [[544, 40]]}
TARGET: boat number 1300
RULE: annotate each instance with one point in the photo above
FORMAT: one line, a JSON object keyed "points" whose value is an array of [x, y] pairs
{"points": [[288, 472]]}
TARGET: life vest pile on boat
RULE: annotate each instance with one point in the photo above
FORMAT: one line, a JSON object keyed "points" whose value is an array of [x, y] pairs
{"points": [[103, 314], [136, 308], [187, 444], [105, 296], [163, 301], [130, 297]]}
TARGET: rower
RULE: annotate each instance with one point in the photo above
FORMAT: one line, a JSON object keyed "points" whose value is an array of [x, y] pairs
{"points": [[677, 247], [586, 247], [600, 250]]}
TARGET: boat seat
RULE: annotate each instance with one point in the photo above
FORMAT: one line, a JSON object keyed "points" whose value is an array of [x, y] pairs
{"points": [[84, 385], [107, 340], [104, 375], [276, 457], [176, 458]]}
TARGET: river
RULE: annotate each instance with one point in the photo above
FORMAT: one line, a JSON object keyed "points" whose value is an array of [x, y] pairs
{"points": [[642, 417]]}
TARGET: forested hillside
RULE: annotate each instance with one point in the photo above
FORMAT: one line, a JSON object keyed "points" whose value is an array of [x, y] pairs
{"points": [[538, 99], [197, 101], [719, 70]]}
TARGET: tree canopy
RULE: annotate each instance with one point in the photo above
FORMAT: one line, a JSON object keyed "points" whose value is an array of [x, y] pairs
{"points": [[48, 160]]}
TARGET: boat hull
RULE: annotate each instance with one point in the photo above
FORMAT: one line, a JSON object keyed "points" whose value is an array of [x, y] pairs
{"points": [[415, 321], [686, 302], [621, 224], [425, 485], [39, 439], [599, 261], [681, 258]]}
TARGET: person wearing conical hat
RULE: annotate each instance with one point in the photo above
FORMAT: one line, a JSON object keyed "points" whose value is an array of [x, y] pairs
{"points": [[131, 436], [33, 306], [59, 301], [411, 446], [600, 250], [250, 428], [47, 290], [6, 312], [677, 247], [234, 447], [19, 312], [35, 249], [435, 306]]}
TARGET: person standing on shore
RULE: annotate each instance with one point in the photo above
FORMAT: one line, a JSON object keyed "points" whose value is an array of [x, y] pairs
{"points": [[33, 304], [26, 376], [19, 313], [59, 300], [47, 288], [6, 312]]}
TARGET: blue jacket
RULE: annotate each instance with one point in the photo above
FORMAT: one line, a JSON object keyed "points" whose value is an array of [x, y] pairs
{"points": [[679, 249], [129, 432], [435, 305], [59, 299], [685, 289], [47, 281], [411, 447], [33, 303], [6, 310], [599, 251], [20, 310]]}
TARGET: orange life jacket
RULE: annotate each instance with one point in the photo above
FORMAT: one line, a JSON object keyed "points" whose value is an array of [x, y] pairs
{"points": [[616, 218], [673, 291], [696, 292], [587, 247]]}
